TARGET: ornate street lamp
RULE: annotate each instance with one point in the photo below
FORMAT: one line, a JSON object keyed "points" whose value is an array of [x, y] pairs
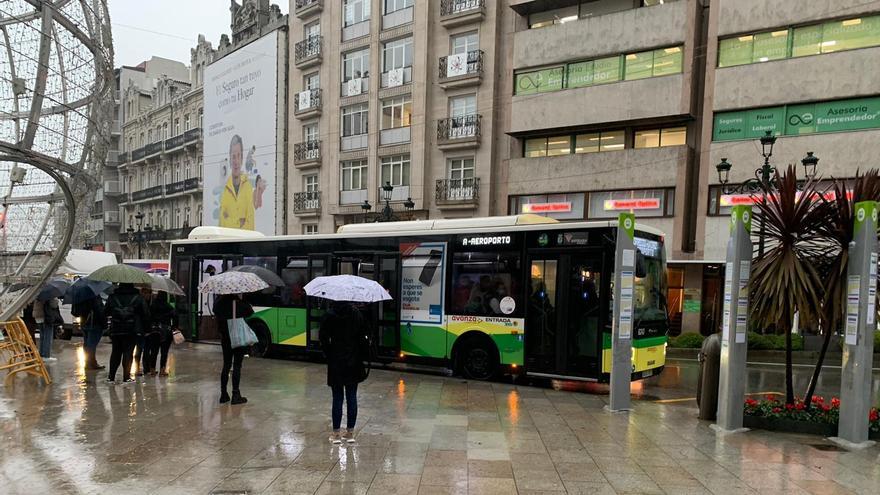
{"points": [[810, 162]]}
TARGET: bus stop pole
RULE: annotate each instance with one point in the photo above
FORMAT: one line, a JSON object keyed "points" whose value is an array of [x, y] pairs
{"points": [[734, 323], [621, 329], [860, 325]]}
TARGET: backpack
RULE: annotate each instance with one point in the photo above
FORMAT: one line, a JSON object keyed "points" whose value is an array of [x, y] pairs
{"points": [[124, 315]]}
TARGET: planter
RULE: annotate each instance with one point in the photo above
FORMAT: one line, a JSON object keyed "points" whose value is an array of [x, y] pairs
{"points": [[794, 426]]}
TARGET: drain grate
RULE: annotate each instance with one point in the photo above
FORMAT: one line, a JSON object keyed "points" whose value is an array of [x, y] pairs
{"points": [[827, 447]]}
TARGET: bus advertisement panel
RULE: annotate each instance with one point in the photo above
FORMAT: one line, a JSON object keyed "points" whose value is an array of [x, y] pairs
{"points": [[240, 126]]}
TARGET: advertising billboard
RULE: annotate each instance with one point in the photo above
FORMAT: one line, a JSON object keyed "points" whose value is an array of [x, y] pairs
{"points": [[240, 131]]}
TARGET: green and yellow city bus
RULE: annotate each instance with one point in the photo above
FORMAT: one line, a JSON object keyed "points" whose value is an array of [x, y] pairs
{"points": [[480, 296]]}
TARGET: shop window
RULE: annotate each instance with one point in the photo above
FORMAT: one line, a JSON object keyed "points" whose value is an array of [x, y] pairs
{"points": [[644, 202], [850, 34], [559, 206], [806, 40], [654, 138], [481, 280], [539, 81]]}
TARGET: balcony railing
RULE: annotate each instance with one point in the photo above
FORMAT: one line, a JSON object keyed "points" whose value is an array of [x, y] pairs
{"points": [[138, 154], [457, 190], [307, 151], [175, 142], [464, 64], [306, 201], [181, 233], [174, 187], [150, 192], [124, 157], [153, 148], [304, 4], [455, 7], [307, 100], [191, 183], [192, 134], [455, 128], [307, 49]]}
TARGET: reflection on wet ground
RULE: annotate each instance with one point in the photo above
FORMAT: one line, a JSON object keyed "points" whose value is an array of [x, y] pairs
{"points": [[417, 433]]}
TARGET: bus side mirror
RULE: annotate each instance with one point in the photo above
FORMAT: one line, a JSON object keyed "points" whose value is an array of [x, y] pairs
{"points": [[641, 265]]}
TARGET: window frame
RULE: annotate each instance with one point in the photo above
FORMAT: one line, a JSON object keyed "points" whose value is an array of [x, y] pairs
{"points": [[357, 168], [359, 111], [397, 47], [401, 112], [399, 165], [365, 7], [361, 58]]}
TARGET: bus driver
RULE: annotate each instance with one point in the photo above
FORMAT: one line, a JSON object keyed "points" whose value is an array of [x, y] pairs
{"points": [[237, 200]]}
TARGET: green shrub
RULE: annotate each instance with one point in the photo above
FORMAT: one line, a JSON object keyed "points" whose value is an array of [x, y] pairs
{"points": [[687, 341], [876, 341], [758, 342]]}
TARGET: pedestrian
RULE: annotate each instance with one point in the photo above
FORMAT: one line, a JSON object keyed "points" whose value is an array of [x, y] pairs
{"points": [[94, 322], [140, 352], [128, 314], [232, 358], [164, 320], [50, 314], [345, 346]]}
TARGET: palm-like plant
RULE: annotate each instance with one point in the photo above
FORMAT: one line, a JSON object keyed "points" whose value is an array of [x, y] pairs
{"points": [[838, 233], [786, 279]]}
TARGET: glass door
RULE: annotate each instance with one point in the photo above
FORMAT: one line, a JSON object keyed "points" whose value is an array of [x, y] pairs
{"points": [[318, 266], [209, 266], [541, 336]]}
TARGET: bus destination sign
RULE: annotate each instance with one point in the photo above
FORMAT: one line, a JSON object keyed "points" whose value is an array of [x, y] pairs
{"points": [[485, 240]]}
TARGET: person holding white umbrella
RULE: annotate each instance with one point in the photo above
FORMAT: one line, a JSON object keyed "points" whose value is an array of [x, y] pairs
{"points": [[231, 309], [345, 343]]}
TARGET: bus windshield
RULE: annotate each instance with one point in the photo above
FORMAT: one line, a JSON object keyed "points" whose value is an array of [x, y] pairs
{"points": [[650, 290]]}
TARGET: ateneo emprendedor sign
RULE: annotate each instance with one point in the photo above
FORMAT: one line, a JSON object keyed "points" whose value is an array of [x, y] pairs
{"points": [[793, 120]]}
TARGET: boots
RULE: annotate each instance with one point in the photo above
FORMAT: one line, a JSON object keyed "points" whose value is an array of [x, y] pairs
{"points": [[237, 398], [91, 361], [224, 397]]}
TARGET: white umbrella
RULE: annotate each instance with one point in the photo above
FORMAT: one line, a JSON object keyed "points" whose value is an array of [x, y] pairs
{"points": [[165, 284], [232, 283], [347, 288]]}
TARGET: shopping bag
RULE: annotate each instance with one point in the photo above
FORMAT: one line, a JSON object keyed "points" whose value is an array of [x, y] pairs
{"points": [[240, 334], [178, 337]]}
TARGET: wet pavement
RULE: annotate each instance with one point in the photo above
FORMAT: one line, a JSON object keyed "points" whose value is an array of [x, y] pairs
{"points": [[417, 433]]}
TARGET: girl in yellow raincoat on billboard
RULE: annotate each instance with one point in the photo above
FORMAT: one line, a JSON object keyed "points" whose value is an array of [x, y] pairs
{"points": [[237, 199]]}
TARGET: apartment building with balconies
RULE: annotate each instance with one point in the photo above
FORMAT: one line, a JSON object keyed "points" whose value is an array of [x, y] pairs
{"points": [[391, 93], [159, 190]]}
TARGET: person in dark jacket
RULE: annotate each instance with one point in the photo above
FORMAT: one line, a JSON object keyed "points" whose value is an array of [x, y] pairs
{"points": [[164, 319], [343, 341], [232, 358], [94, 322], [129, 315]]}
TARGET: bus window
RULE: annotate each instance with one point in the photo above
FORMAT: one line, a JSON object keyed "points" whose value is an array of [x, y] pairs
{"points": [[482, 280], [269, 297], [650, 290], [295, 275]]}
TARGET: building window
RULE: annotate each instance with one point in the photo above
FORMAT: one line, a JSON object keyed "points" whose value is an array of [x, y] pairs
{"points": [[310, 183], [658, 138], [355, 11], [645, 202], [462, 169], [312, 30], [395, 170], [462, 106], [464, 43], [653, 63], [177, 127], [310, 229], [397, 54], [354, 175], [355, 119], [599, 141], [164, 131], [815, 39], [355, 65], [201, 114], [548, 146], [149, 136], [551, 17], [310, 132], [397, 112], [539, 81], [186, 126], [312, 81], [395, 5], [592, 142]]}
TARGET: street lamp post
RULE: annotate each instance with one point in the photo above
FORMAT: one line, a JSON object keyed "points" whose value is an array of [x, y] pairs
{"points": [[387, 213], [136, 236], [764, 179]]}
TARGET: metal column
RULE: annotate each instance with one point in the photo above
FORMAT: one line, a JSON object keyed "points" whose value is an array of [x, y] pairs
{"points": [[622, 327]]}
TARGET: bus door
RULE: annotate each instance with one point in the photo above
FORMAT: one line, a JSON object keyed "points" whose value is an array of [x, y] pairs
{"points": [[203, 268], [384, 317], [184, 306], [319, 265], [565, 316]]}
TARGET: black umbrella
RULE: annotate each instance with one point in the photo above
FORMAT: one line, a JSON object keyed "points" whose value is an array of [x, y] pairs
{"points": [[84, 289], [265, 274], [56, 287]]}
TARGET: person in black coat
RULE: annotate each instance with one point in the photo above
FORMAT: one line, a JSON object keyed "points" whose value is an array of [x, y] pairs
{"points": [[232, 358], [159, 339], [94, 322], [129, 316], [344, 343]]}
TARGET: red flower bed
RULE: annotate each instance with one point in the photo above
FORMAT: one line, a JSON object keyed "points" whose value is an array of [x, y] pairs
{"points": [[820, 411]]}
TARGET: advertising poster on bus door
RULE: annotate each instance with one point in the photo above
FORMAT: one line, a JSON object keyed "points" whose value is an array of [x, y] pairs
{"points": [[422, 287]]}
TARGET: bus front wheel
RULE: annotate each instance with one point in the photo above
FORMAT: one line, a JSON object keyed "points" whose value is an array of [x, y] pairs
{"points": [[264, 339], [478, 358]]}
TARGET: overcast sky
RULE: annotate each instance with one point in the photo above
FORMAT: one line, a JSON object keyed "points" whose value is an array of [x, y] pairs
{"points": [[167, 28]]}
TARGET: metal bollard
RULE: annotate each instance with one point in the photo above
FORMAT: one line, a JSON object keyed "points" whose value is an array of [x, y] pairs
{"points": [[707, 383]]}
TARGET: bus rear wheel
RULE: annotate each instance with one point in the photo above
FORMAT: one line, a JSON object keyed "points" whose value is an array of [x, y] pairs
{"points": [[478, 358]]}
